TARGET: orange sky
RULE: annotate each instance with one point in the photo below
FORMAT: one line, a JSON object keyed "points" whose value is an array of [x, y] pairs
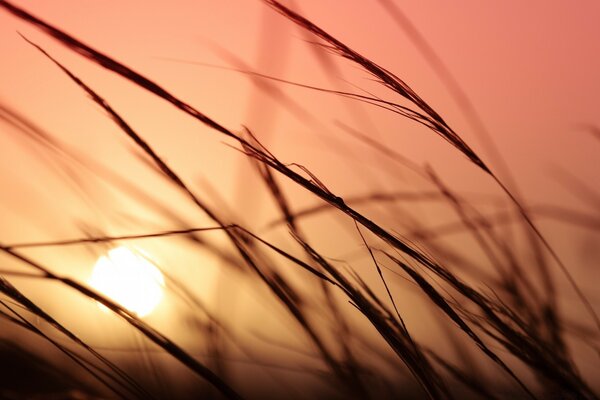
{"points": [[530, 68]]}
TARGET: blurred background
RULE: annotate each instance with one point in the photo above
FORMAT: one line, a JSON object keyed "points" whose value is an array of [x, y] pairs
{"points": [[530, 69]]}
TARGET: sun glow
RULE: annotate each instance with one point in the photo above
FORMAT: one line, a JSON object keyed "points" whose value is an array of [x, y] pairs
{"points": [[129, 279]]}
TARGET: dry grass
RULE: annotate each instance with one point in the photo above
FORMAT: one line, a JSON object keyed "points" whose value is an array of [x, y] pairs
{"points": [[511, 320]]}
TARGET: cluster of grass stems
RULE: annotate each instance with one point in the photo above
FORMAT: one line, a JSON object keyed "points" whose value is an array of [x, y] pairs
{"points": [[514, 314]]}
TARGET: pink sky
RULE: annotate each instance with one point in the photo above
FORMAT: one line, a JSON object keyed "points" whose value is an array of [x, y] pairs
{"points": [[530, 68]]}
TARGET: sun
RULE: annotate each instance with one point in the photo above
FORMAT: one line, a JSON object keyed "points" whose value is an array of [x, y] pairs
{"points": [[129, 279]]}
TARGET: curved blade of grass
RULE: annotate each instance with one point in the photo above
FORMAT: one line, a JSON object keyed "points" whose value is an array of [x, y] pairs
{"points": [[441, 303], [438, 125], [20, 320], [134, 321]]}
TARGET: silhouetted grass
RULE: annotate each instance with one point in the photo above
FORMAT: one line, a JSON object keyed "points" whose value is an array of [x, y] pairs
{"points": [[506, 314]]}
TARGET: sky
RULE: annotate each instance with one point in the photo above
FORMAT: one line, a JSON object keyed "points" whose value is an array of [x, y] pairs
{"points": [[529, 68]]}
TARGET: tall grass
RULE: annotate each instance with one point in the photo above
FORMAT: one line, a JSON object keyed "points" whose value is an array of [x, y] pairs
{"points": [[507, 319]]}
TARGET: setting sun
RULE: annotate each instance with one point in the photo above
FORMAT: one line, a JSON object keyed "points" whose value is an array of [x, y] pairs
{"points": [[129, 279]]}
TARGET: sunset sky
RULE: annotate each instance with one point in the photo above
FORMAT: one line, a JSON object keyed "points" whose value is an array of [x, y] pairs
{"points": [[529, 68]]}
